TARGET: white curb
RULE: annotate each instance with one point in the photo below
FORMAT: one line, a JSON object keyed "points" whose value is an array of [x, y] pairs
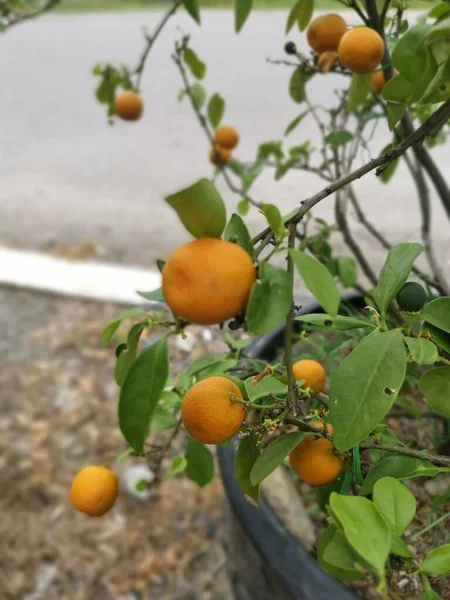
{"points": [[82, 279]]}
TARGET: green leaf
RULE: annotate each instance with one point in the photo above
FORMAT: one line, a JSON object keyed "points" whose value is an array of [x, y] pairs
{"points": [[218, 368], [399, 547], [400, 467], [408, 406], [193, 9], [336, 556], [246, 456], [395, 272], [395, 502], [437, 562], [154, 296], [198, 95], [339, 137], [301, 14], [340, 323], [440, 338], [318, 280], [422, 351], [347, 271], [267, 386], [196, 66], [200, 208], [250, 175], [216, 109], [163, 419], [398, 90], [274, 455], [141, 485], [128, 353], [360, 87], [434, 385], [243, 207], [160, 264], [395, 113], [293, 124], [437, 313], [236, 231], [297, 84], [112, 327], [409, 55], [365, 385], [200, 463], [270, 299], [364, 528], [439, 10], [388, 171], [201, 363], [273, 216], [179, 464], [140, 393], [242, 10], [430, 594]]}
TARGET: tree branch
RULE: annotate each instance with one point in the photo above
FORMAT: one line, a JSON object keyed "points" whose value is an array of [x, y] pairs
{"points": [[288, 332], [48, 6], [436, 459]]}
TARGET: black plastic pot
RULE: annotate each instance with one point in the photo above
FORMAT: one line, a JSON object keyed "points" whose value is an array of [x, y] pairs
{"points": [[265, 561]]}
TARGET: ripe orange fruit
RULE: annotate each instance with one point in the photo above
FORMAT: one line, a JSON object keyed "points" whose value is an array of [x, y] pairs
{"points": [[361, 50], [378, 82], [327, 60], [314, 459], [128, 105], [325, 32], [312, 372], [226, 137], [219, 156], [208, 281], [94, 490], [208, 413]]}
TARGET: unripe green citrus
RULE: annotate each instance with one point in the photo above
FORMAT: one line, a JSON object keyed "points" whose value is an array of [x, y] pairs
{"points": [[411, 297]]}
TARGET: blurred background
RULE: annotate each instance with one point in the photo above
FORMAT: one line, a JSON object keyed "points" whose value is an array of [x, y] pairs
{"points": [[79, 191]]}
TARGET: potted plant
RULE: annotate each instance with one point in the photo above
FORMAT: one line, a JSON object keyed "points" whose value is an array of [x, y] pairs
{"points": [[330, 420]]}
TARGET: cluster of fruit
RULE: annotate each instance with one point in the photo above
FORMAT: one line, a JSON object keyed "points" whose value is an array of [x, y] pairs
{"points": [[360, 49], [226, 138]]}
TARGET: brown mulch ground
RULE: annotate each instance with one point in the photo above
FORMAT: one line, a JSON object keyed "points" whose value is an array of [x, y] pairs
{"points": [[58, 413]]}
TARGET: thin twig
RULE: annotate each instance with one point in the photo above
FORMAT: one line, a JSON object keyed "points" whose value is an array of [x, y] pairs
{"points": [[288, 333], [436, 459], [48, 6]]}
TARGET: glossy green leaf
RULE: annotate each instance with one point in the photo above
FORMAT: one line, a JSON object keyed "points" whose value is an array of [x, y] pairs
{"points": [[216, 109], [218, 368], [365, 385], [395, 272], [440, 10], [243, 207], [399, 547], [339, 137], [439, 337], [434, 385], [422, 351], [297, 85], [347, 271], [395, 502], [154, 296], [273, 216], [318, 280], [112, 327], [360, 87], [140, 393], [242, 10], [128, 354], [395, 112], [364, 528], [198, 95], [246, 456], [409, 55], [340, 323], [336, 556], [274, 455], [267, 386], [400, 467], [295, 122], [437, 562], [200, 208], [437, 313], [163, 419], [195, 65], [301, 14], [236, 231], [179, 464], [200, 463], [270, 299], [193, 9], [398, 90]]}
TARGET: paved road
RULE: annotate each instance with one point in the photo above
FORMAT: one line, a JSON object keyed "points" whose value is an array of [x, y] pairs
{"points": [[66, 176]]}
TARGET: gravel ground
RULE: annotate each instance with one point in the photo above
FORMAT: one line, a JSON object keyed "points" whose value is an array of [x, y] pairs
{"points": [[59, 403]]}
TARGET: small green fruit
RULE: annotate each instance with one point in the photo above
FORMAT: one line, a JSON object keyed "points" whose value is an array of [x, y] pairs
{"points": [[290, 48], [411, 297]]}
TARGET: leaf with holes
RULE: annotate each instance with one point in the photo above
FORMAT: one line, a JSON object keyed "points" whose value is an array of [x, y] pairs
{"points": [[216, 108], [434, 385], [274, 455], [395, 502], [437, 313], [365, 385], [339, 323], [422, 351], [246, 456]]}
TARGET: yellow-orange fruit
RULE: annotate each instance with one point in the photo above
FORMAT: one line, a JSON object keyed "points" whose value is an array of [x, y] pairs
{"points": [[312, 372], [315, 461], [361, 50], [227, 137], [378, 82], [219, 156], [94, 490], [325, 32], [208, 412], [128, 105], [208, 280]]}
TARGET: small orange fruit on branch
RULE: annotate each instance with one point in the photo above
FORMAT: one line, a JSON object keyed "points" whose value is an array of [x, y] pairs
{"points": [[325, 32], [209, 414], [226, 137], [94, 490], [219, 156], [312, 373], [128, 105], [361, 50]]}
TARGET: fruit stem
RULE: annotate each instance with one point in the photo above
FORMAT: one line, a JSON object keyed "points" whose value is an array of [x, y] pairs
{"points": [[288, 334], [444, 360]]}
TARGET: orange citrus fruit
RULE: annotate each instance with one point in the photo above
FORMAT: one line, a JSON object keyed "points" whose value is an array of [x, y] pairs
{"points": [[361, 50], [312, 372], [219, 156], [208, 281], [325, 32], [314, 459], [226, 137], [378, 82], [128, 105], [94, 490], [208, 412]]}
